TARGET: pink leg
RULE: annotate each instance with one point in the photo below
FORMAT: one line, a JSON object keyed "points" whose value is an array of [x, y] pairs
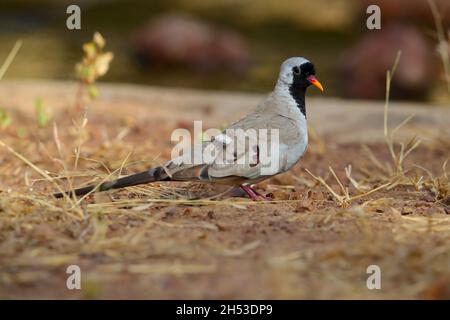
{"points": [[255, 196], [249, 191], [262, 196]]}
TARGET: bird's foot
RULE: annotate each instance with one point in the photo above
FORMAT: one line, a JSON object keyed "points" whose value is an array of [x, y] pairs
{"points": [[267, 198], [254, 195]]}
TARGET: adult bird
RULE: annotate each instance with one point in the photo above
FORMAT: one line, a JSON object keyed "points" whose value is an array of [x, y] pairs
{"points": [[232, 160]]}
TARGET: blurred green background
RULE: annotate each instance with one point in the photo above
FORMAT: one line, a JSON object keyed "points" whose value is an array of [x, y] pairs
{"points": [[271, 30]]}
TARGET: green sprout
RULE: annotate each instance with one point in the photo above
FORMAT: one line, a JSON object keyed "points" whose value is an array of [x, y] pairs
{"points": [[41, 114], [5, 119], [21, 132]]}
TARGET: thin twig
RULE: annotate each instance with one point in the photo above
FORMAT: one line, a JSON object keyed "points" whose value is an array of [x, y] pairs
{"points": [[10, 58], [443, 43]]}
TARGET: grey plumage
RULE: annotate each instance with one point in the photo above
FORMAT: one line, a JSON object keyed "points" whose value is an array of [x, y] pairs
{"points": [[283, 110]]}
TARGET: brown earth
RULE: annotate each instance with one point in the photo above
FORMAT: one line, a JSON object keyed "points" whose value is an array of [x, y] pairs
{"points": [[183, 241]]}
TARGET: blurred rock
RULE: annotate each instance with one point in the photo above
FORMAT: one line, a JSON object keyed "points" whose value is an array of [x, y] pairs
{"points": [[362, 68], [437, 290], [182, 40]]}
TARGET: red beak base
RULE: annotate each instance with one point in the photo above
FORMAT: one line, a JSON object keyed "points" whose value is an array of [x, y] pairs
{"points": [[313, 80]]}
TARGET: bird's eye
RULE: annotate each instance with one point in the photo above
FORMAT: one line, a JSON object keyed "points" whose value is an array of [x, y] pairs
{"points": [[296, 70]]}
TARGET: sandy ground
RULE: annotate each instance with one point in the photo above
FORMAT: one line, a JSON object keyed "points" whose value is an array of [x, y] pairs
{"points": [[172, 241]]}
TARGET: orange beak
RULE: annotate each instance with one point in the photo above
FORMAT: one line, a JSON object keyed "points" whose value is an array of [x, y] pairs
{"points": [[315, 82]]}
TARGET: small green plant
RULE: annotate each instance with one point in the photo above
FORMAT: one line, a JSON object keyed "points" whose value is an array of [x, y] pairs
{"points": [[95, 64], [41, 114], [5, 119], [22, 132]]}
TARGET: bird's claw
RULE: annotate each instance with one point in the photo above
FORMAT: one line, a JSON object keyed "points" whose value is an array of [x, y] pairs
{"points": [[254, 195]]}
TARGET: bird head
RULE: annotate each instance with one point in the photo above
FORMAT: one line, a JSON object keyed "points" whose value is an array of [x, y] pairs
{"points": [[299, 73]]}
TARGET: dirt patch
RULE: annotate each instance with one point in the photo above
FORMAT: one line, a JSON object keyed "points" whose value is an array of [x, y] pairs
{"points": [[173, 240]]}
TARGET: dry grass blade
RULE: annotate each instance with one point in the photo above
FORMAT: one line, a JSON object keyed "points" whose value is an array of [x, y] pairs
{"points": [[403, 123], [61, 159], [80, 140], [440, 186], [29, 163], [444, 168], [160, 268], [42, 173], [358, 196], [389, 76], [122, 165], [342, 200], [358, 186], [345, 199], [443, 42], [389, 136], [10, 58], [376, 162], [95, 188], [343, 189], [195, 202], [41, 202], [406, 150]]}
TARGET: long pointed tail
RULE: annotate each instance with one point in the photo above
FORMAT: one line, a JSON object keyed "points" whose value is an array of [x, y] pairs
{"points": [[152, 175]]}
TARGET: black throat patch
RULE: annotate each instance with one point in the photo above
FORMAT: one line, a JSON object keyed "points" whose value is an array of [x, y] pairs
{"points": [[299, 84], [298, 93]]}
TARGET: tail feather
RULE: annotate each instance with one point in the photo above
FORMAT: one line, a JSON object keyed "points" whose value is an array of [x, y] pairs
{"points": [[152, 175]]}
